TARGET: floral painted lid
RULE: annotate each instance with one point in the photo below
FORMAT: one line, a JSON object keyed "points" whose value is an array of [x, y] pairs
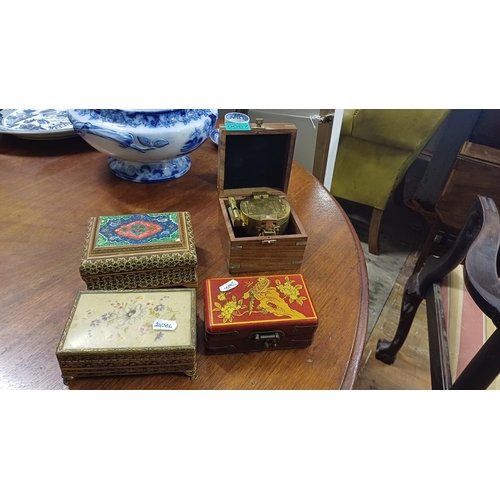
{"points": [[257, 300], [131, 320]]}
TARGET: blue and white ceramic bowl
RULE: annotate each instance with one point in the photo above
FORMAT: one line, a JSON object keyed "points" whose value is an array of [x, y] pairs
{"points": [[235, 117], [150, 145]]}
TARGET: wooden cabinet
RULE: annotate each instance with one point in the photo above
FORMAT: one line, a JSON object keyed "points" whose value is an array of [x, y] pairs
{"points": [[476, 172]]}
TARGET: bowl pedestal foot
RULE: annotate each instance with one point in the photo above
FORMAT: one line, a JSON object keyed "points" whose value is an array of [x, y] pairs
{"points": [[160, 171]]}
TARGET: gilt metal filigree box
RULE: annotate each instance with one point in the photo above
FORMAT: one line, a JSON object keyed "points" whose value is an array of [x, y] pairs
{"points": [[129, 332], [139, 251]]}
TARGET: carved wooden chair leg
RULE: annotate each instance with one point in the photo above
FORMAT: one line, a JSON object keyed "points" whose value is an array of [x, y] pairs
{"points": [[387, 350], [374, 231], [427, 246], [434, 270], [424, 284]]}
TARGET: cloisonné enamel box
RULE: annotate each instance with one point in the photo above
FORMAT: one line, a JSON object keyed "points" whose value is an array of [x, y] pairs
{"points": [[258, 313], [129, 332], [124, 252]]}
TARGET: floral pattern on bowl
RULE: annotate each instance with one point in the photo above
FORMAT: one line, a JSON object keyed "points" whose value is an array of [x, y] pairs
{"points": [[214, 136]]}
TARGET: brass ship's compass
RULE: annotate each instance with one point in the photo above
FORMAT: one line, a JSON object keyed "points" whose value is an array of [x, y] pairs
{"points": [[260, 214]]}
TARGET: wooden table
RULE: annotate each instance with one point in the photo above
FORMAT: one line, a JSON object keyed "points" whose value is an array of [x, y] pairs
{"points": [[48, 190]]}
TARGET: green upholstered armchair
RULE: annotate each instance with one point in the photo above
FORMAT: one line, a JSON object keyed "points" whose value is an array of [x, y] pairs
{"points": [[376, 147]]}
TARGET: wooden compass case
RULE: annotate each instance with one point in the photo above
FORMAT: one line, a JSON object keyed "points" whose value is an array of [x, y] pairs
{"points": [[251, 161]]}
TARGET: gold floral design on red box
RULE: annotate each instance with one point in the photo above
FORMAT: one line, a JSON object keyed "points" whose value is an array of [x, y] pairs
{"points": [[260, 299]]}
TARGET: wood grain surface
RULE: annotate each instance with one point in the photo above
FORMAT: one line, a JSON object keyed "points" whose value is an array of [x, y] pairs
{"points": [[49, 189]]}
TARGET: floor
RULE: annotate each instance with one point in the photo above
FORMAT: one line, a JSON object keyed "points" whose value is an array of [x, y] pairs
{"points": [[411, 369], [402, 234], [401, 228]]}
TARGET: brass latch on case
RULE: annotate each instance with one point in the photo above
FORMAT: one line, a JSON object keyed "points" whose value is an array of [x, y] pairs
{"points": [[260, 195], [267, 340], [268, 228]]}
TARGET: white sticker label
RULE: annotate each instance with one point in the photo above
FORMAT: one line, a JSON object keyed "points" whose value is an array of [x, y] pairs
{"points": [[228, 286], [162, 324]]}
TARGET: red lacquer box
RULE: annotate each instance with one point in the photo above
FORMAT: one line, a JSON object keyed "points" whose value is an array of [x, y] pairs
{"points": [[258, 313]]}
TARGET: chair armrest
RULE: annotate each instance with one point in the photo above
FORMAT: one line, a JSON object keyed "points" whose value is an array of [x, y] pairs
{"points": [[347, 121], [478, 244], [480, 269]]}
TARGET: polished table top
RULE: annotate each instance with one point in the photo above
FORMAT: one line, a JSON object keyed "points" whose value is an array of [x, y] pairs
{"points": [[49, 189]]}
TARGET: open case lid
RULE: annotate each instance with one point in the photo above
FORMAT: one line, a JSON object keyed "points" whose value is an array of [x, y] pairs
{"points": [[255, 160]]}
